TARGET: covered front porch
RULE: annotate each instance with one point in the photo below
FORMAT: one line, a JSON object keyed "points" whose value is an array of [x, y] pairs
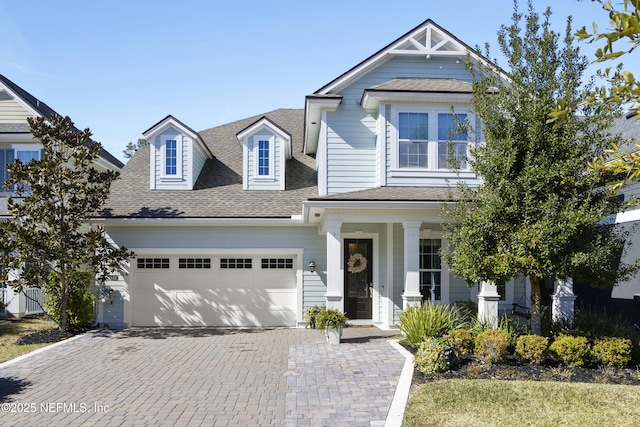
{"points": [[383, 257]]}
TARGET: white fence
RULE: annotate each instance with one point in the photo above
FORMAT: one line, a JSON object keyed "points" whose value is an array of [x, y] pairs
{"points": [[33, 301], [3, 299]]}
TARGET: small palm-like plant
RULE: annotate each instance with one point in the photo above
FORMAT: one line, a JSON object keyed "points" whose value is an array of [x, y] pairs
{"points": [[428, 321]]}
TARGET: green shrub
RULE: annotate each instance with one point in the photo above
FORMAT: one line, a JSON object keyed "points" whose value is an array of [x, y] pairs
{"points": [[532, 348], [461, 341], [428, 321], [572, 350], [492, 345], [310, 315], [612, 351], [80, 302], [434, 355], [513, 329]]}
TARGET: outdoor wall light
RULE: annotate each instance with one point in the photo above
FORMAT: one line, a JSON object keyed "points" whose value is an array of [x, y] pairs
{"points": [[312, 266]]}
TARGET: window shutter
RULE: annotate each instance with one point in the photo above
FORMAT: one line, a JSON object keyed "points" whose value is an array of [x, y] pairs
{"points": [[8, 160]]}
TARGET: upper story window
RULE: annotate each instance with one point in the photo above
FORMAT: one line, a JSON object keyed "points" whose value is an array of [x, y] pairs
{"points": [[413, 144], [9, 155], [263, 156], [452, 144], [427, 139], [171, 149], [171, 157]]}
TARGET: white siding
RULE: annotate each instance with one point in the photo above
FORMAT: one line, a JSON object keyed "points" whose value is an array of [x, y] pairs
{"points": [[352, 161], [199, 158]]}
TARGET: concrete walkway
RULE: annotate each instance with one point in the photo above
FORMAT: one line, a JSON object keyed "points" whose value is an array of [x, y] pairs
{"points": [[204, 377]]}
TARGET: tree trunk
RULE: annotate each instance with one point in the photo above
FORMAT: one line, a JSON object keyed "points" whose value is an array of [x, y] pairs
{"points": [[64, 298], [536, 309]]}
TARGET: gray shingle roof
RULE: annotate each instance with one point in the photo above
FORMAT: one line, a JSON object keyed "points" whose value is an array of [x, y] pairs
{"points": [[46, 112], [421, 194], [218, 191], [423, 85], [628, 126]]}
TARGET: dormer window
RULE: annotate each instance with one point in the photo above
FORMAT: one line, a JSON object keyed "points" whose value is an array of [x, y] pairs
{"points": [[171, 157], [263, 153]]}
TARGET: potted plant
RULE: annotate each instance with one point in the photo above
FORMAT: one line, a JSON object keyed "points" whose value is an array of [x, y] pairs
{"points": [[331, 321]]}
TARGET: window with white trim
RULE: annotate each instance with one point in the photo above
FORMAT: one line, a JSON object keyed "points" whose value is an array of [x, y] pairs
{"points": [[194, 263], [171, 149], [235, 263], [452, 143], [263, 156], [431, 273], [428, 139], [153, 263], [277, 263], [171, 157]]}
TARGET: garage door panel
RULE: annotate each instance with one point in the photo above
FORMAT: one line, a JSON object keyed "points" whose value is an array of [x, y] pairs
{"points": [[215, 296]]}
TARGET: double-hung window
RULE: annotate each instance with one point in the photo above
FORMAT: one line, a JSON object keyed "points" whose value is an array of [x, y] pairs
{"points": [[428, 139], [452, 142], [263, 157], [430, 269], [413, 140]]}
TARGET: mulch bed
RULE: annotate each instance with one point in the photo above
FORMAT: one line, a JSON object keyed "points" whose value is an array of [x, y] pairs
{"points": [[44, 337]]}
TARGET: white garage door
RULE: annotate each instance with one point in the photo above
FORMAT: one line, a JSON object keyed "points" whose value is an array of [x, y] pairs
{"points": [[214, 291]]}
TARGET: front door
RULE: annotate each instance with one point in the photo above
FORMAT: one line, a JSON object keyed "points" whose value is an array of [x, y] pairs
{"points": [[358, 278]]}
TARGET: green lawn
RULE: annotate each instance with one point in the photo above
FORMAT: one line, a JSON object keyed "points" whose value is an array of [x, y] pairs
{"points": [[11, 331], [458, 402]]}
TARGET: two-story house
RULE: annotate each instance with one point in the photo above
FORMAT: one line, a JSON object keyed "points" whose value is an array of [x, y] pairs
{"points": [[339, 203], [16, 142]]}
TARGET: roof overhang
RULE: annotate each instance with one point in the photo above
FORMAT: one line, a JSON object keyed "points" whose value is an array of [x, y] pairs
{"points": [[141, 222], [171, 121], [372, 98], [313, 211], [313, 108]]}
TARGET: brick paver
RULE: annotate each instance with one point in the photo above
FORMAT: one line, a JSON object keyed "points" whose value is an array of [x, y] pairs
{"points": [[204, 377]]}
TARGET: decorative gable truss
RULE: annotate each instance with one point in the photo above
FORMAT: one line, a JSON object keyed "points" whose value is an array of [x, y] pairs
{"points": [[178, 154], [265, 149], [429, 40]]}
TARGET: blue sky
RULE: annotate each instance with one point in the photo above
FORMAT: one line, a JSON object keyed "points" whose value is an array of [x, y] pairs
{"points": [[118, 67]]}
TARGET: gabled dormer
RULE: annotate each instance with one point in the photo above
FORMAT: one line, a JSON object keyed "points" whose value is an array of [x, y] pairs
{"points": [[178, 154], [265, 149]]}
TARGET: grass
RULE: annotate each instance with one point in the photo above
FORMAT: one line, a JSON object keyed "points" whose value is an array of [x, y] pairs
{"points": [[458, 402], [12, 330]]}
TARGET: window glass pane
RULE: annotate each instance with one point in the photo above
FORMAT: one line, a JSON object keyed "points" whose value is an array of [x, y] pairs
{"points": [[430, 269], [413, 126], [263, 157], [171, 157], [452, 154], [26, 155], [502, 290], [448, 127]]}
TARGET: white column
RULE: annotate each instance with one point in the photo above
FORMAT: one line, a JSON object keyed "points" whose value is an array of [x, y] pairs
{"points": [[563, 301], [335, 275], [488, 299], [411, 295]]}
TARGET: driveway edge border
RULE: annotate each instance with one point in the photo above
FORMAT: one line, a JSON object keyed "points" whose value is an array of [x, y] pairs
{"points": [[401, 396], [38, 351]]}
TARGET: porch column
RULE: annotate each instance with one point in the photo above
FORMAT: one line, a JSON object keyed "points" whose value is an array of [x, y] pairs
{"points": [[563, 302], [335, 276], [488, 299], [411, 295]]}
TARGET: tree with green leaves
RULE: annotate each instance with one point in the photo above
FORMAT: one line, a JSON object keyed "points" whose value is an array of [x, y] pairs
{"points": [[49, 230], [539, 210], [131, 148], [622, 88]]}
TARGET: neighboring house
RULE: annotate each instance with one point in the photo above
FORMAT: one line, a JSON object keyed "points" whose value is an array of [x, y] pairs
{"points": [[625, 297], [252, 222], [16, 142]]}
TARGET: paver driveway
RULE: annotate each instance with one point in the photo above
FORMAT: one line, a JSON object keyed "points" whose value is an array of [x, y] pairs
{"points": [[204, 377]]}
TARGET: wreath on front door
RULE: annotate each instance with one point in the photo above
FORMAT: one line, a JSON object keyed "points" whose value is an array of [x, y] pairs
{"points": [[357, 263]]}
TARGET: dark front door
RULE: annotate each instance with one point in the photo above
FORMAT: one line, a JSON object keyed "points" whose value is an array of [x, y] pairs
{"points": [[358, 278]]}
